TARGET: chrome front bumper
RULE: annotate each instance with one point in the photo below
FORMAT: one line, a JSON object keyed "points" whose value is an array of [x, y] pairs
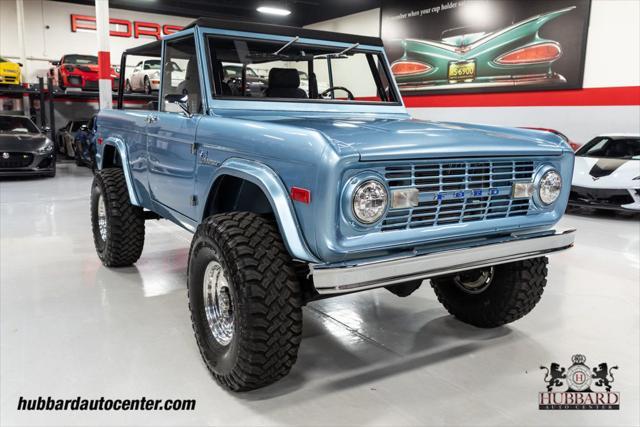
{"points": [[336, 280]]}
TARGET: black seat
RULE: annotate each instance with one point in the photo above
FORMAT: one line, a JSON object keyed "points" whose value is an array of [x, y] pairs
{"points": [[224, 86], [284, 83]]}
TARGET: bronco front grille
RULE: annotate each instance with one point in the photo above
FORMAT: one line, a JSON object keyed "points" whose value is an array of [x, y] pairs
{"points": [[458, 191], [15, 160]]}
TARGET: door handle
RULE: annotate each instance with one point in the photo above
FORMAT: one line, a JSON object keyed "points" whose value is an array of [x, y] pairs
{"points": [[151, 118]]}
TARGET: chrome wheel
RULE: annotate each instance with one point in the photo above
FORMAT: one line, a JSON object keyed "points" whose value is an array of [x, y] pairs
{"points": [[474, 281], [102, 219], [218, 304]]}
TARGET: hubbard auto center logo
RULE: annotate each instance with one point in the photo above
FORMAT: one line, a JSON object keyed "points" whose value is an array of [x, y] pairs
{"points": [[579, 386]]}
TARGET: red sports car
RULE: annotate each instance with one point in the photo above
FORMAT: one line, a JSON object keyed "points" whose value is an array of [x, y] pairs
{"points": [[79, 71]]}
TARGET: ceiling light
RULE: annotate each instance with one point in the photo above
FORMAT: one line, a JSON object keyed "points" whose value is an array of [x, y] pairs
{"points": [[273, 10]]}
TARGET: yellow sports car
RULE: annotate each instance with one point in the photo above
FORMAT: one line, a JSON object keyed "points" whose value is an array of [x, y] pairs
{"points": [[10, 73]]}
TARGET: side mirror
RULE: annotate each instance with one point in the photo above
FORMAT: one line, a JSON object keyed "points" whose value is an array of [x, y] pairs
{"points": [[20, 64], [46, 129], [181, 101], [84, 128], [55, 63]]}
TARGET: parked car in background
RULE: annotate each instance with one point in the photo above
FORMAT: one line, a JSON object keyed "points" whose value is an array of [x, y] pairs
{"points": [[146, 76], [294, 197], [232, 76], [607, 174], [24, 148], [85, 144], [10, 72], [574, 145], [66, 136], [471, 57], [79, 71]]}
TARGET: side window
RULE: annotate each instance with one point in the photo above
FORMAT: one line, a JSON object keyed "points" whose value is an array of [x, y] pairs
{"points": [[147, 66], [180, 74]]}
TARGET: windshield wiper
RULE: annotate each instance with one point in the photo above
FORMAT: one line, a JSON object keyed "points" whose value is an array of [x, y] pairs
{"points": [[279, 51], [349, 49], [340, 54]]}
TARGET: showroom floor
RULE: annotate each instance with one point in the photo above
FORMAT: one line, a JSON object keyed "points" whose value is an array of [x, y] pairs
{"points": [[70, 327]]}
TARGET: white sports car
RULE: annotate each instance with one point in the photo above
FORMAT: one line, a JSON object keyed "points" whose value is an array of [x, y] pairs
{"points": [[607, 173], [146, 76]]}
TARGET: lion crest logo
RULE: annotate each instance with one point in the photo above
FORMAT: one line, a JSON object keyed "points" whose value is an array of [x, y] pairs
{"points": [[579, 377]]}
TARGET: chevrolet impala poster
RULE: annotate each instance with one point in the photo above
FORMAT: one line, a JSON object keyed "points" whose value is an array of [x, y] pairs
{"points": [[485, 45]]}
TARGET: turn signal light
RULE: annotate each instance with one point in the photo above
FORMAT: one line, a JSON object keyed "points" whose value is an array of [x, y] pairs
{"points": [[544, 52], [404, 68], [301, 195]]}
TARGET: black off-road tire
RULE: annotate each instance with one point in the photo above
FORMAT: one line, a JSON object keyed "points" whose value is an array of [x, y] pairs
{"points": [[513, 292], [125, 222], [266, 297]]}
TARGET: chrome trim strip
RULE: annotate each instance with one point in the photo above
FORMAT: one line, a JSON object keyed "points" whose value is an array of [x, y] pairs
{"points": [[378, 274], [497, 82]]}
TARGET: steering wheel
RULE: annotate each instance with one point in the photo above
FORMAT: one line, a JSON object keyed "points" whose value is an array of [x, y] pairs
{"points": [[326, 93]]}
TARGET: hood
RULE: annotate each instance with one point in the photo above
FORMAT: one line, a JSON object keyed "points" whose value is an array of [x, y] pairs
{"points": [[595, 172], [10, 142], [9, 66], [400, 137]]}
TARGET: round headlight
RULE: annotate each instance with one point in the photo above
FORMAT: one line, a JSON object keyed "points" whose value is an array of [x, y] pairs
{"points": [[369, 201], [550, 186]]}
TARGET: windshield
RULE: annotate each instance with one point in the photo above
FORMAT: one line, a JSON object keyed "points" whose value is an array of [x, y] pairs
{"points": [[13, 124], [330, 74], [152, 65], [80, 59], [611, 148]]}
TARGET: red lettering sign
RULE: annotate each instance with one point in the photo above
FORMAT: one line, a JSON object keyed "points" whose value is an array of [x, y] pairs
{"points": [[130, 28], [146, 29]]}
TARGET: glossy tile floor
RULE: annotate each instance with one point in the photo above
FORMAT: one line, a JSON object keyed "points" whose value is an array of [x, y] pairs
{"points": [[71, 327]]}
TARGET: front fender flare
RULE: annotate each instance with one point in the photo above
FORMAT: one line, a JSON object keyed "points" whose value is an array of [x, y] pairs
{"points": [[121, 149], [275, 191]]}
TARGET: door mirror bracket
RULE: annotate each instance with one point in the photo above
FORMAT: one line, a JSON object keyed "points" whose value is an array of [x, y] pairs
{"points": [[181, 101]]}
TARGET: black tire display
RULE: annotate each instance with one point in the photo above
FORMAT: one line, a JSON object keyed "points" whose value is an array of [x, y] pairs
{"points": [[118, 226], [245, 300], [147, 86], [61, 82], [513, 290], [78, 159]]}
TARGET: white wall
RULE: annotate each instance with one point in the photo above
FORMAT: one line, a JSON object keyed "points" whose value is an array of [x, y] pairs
{"points": [[44, 44], [612, 60]]}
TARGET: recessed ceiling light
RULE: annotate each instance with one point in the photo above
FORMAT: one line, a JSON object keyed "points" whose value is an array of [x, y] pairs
{"points": [[274, 10]]}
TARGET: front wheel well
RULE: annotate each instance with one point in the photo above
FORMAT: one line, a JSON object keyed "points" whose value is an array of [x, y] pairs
{"points": [[233, 194], [111, 157]]}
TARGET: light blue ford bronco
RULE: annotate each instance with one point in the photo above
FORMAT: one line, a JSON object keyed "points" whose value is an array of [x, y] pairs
{"points": [[294, 193]]}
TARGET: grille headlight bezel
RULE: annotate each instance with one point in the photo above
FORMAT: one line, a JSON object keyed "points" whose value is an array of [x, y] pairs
{"points": [[353, 188], [370, 202], [548, 185]]}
